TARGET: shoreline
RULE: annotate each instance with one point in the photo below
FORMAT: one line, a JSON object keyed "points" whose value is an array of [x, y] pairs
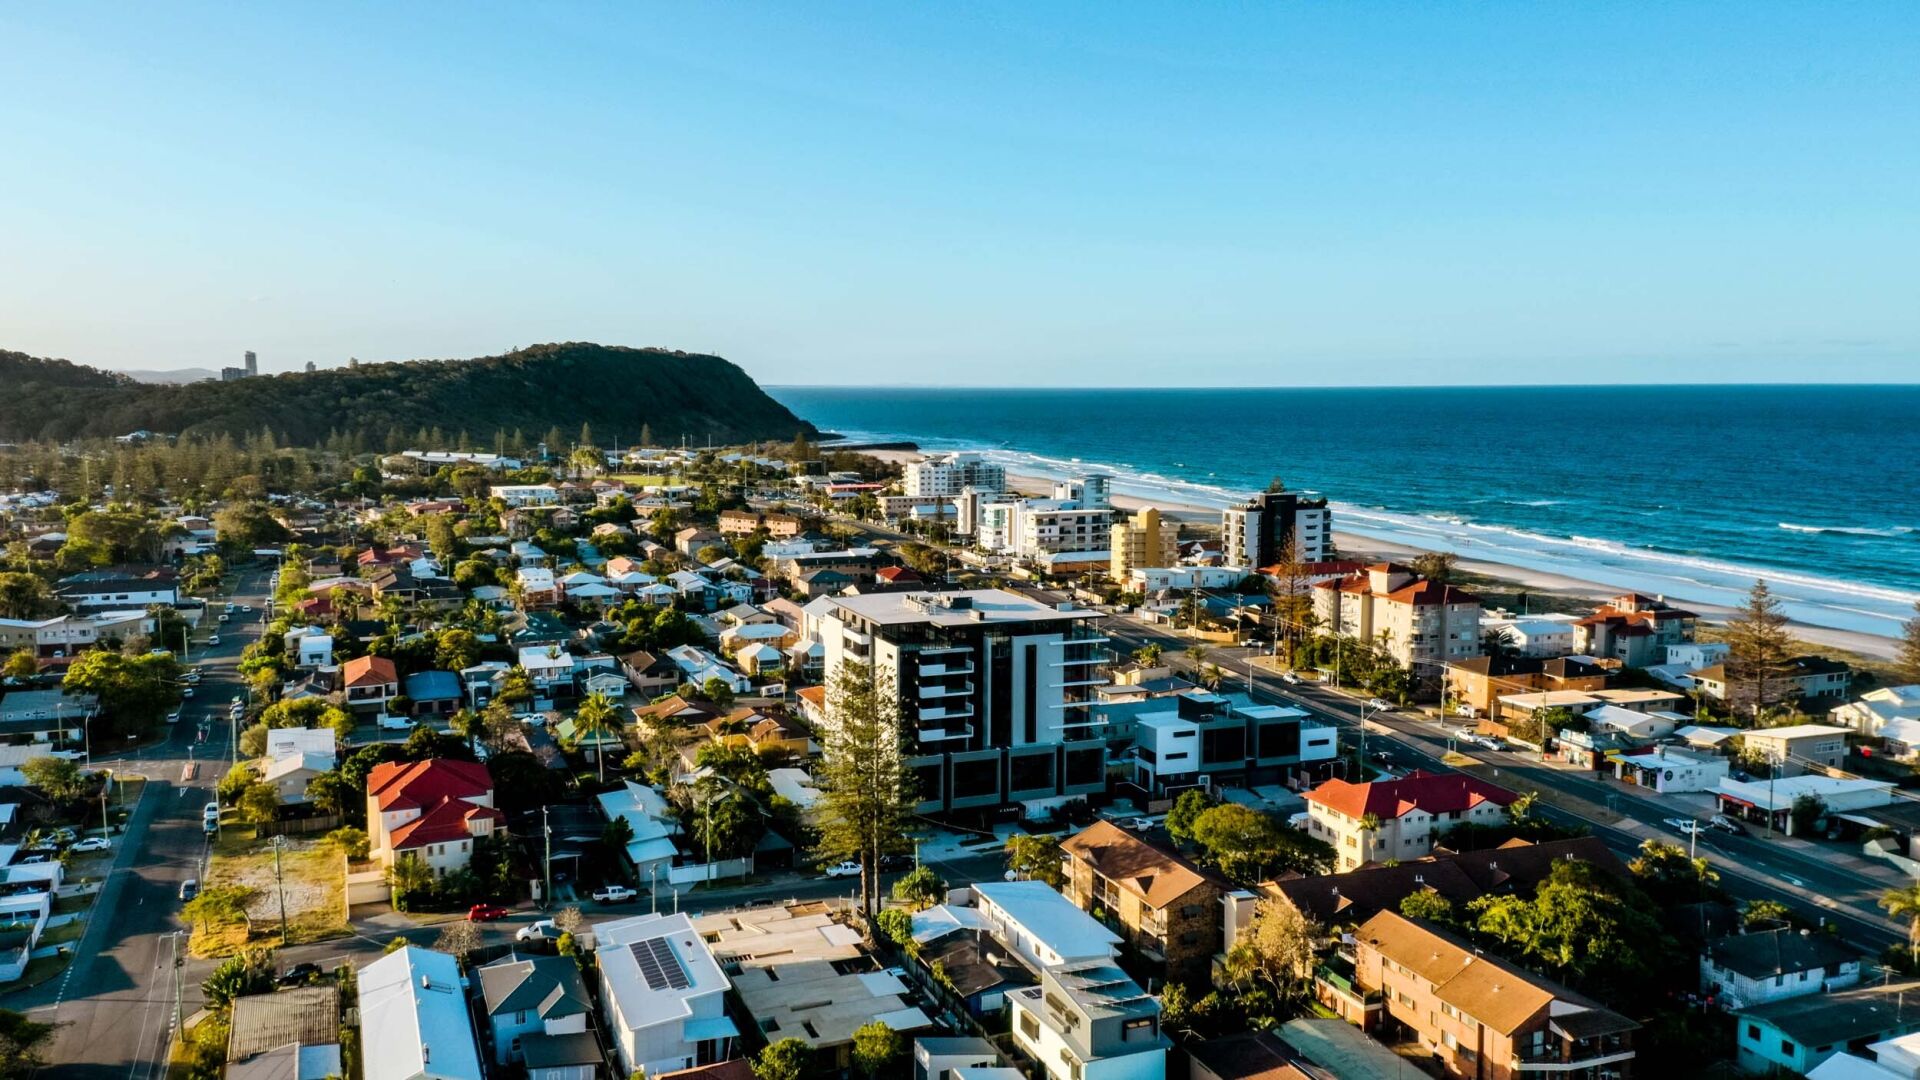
{"points": [[1368, 549]]}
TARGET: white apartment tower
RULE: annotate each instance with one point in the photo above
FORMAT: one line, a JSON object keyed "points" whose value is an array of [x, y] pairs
{"points": [[942, 476], [1256, 532], [995, 690]]}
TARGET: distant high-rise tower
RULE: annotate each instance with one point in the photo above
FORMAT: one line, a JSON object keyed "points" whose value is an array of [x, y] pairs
{"points": [[253, 364]]}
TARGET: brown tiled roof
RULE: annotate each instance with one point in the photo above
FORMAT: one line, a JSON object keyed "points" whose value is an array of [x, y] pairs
{"points": [[1516, 866], [1157, 877], [1485, 988], [368, 671], [1248, 1055]]}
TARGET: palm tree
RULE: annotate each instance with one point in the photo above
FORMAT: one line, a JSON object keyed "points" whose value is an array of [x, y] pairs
{"points": [[596, 716], [1211, 675], [1196, 655], [1522, 807], [1369, 825], [1904, 903]]}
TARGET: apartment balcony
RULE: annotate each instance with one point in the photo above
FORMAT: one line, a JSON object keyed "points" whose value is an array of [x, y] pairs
{"points": [[938, 691], [946, 712], [936, 671], [943, 734], [944, 650], [1561, 1056], [1082, 681]]}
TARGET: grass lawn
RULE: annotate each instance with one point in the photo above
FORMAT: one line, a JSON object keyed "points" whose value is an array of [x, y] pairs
{"points": [[64, 933], [310, 877], [642, 479], [39, 970]]}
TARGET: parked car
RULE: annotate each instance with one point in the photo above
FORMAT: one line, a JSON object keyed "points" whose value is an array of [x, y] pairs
{"points": [[93, 843], [1137, 824], [246, 607], [210, 826], [173, 717], [213, 639], [186, 691], [224, 618], [848, 868], [1725, 824], [1681, 825], [486, 913], [544, 930], [613, 894], [1380, 704], [1462, 734], [189, 888], [211, 810], [298, 975], [1290, 678]]}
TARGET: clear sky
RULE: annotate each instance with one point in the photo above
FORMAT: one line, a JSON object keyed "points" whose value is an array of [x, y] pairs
{"points": [[1026, 194]]}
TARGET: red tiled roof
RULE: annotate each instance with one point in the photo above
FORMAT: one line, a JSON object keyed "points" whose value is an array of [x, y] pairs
{"points": [[399, 785], [815, 695], [897, 573], [1425, 593], [446, 821], [1429, 792], [368, 671]]}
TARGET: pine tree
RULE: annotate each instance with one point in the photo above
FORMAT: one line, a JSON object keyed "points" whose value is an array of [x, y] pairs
{"points": [[1906, 657], [866, 791], [586, 434], [1759, 647], [646, 435]]}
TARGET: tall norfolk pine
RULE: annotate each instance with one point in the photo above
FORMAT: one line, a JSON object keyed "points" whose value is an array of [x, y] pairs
{"points": [[866, 790]]}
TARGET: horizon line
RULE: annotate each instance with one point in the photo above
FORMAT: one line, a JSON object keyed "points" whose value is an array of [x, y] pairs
{"points": [[1188, 387]]}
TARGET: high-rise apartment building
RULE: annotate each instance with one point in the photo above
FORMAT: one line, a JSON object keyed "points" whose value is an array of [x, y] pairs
{"points": [[1079, 517], [995, 690], [1142, 541], [1255, 533], [942, 476]]}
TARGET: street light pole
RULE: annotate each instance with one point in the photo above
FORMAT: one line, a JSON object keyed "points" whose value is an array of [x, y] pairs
{"points": [[279, 845]]}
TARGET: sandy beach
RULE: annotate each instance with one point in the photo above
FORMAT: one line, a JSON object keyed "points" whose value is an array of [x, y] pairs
{"points": [[1368, 549]]}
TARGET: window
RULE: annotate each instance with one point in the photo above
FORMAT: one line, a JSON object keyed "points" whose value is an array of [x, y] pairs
{"points": [[1786, 1047], [1029, 1026]]}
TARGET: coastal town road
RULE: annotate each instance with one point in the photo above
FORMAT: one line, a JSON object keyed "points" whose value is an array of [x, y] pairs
{"points": [[1749, 867], [115, 1004]]}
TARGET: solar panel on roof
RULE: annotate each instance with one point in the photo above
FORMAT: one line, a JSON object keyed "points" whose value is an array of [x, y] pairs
{"points": [[658, 965]]}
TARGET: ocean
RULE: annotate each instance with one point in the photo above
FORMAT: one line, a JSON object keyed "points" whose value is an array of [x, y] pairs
{"points": [[1688, 491]]}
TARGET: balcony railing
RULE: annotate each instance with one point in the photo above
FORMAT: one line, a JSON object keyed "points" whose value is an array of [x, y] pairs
{"points": [[963, 690], [935, 671], [962, 731], [946, 713]]}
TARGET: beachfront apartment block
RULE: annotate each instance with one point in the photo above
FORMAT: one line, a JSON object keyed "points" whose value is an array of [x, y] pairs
{"points": [[1423, 623], [1079, 517], [943, 476], [1634, 629], [1143, 541], [1089, 1021], [995, 690], [1481, 1016], [1397, 820], [1258, 531]]}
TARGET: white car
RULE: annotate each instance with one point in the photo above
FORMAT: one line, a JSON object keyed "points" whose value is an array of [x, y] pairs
{"points": [[843, 869], [1290, 678], [544, 930], [212, 810], [1681, 825], [93, 843], [213, 639], [1137, 824], [224, 618], [1380, 704], [173, 717], [613, 894], [1463, 735], [186, 691]]}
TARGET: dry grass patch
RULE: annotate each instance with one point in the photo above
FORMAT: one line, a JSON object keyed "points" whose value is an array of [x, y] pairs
{"points": [[310, 877]]}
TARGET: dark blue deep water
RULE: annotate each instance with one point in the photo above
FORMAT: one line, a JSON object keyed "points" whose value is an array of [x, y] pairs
{"points": [[1688, 491]]}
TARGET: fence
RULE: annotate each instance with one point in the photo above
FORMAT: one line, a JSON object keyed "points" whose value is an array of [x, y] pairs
{"points": [[301, 826]]}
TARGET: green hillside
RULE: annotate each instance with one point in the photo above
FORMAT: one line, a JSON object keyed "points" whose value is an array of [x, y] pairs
{"points": [[614, 388]]}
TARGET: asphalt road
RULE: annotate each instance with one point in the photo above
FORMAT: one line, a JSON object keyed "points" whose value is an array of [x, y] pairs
{"points": [[1749, 867]]}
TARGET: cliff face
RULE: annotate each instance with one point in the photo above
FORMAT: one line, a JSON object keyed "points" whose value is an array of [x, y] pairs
{"points": [[614, 388]]}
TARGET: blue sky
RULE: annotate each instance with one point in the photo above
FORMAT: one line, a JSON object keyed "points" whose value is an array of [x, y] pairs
{"points": [[1007, 195]]}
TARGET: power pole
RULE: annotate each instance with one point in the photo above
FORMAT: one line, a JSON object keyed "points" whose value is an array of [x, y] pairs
{"points": [[546, 892], [279, 844]]}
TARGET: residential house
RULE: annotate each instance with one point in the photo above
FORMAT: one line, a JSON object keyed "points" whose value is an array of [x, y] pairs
{"points": [[538, 589], [649, 673], [52, 717], [529, 1000], [517, 495], [1897, 1058], [650, 847], [1532, 637], [663, 994], [698, 665], [310, 647], [1042, 926], [1634, 724], [1875, 709], [1481, 1016], [1400, 819], [291, 1034], [1799, 748], [1512, 709], [1163, 906], [1423, 624], [1798, 1034], [690, 540], [1772, 965], [367, 683], [1291, 1051], [432, 810], [434, 693], [551, 670], [120, 587], [939, 1058], [292, 742], [414, 1023], [1634, 629], [801, 974], [290, 775], [1813, 680], [1089, 1021]]}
